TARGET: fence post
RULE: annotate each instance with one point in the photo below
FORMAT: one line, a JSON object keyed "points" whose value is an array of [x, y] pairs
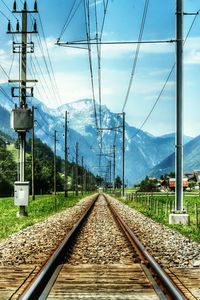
{"points": [[196, 215], [166, 210]]}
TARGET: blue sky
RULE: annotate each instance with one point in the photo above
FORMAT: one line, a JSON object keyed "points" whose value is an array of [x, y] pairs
{"points": [[123, 20]]}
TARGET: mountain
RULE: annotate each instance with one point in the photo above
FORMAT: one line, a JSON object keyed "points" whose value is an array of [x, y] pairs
{"points": [[191, 160], [143, 150]]}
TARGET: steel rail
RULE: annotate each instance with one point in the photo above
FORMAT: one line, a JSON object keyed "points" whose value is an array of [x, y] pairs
{"points": [[39, 283], [170, 287]]}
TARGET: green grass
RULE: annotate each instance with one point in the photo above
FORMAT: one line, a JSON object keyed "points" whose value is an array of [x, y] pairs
{"points": [[38, 210], [154, 206], [14, 151]]}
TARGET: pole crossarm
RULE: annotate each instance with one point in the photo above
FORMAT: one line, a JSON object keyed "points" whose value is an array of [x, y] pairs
{"points": [[112, 128], [68, 44], [19, 80]]}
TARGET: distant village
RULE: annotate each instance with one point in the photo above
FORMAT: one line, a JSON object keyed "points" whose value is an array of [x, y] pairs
{"points": [[191, 181]]}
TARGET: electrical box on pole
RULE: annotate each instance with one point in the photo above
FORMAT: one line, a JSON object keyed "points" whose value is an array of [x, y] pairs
{"points": [[22, 116], [21, 193], [21, 119]]}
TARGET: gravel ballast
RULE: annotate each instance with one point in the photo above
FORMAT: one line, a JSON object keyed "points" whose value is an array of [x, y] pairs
{"points": [[100, 240], [167, 246], [35, 244]]}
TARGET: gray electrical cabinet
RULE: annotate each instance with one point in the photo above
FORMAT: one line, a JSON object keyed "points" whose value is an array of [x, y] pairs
{"points": [[21, 193], [21, 119]]}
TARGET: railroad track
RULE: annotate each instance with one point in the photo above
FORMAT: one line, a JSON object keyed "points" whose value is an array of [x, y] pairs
{"points": [[127, 271]]}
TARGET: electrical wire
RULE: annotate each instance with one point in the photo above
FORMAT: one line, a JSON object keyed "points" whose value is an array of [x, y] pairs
{"points": [[87, 20], [44, 131], [167, 79], [70, 17], [6, 95], [136, 53], [8, 9], [50, 62]]}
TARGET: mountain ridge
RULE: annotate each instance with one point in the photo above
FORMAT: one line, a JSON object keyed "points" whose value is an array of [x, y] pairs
{"points": [[143, 152]]}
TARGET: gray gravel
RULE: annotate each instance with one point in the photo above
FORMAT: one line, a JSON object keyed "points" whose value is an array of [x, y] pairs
{"points": [[167, 246], [100, 240], [34, 244]]}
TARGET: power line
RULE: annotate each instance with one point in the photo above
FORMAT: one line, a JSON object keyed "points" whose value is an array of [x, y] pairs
{"points": [[4, 71], [4, 15], [50, 62], [44, 131], [137, 53], [6, 95], [8, 9], [87, 20], [155, 103], [168, 77], [70, 17]]}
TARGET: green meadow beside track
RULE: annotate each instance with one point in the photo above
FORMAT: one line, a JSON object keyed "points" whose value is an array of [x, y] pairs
{"points": [[154, 205], [38, 210], [158, 206]]}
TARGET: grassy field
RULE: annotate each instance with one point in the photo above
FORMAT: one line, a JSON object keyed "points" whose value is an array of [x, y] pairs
{"points": [[38, 210], [14, 151], [158, 207]]}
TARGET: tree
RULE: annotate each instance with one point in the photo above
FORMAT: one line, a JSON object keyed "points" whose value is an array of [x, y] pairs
{"points": [[8, 170], [118, 182], [148, 185], [191, 184]]}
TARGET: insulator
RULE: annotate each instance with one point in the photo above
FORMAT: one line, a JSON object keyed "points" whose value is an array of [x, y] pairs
{"points": [[9, 26], [14, 6], [17, 26], [25, 5], [12, 91], [35, 6], [35, 26]]}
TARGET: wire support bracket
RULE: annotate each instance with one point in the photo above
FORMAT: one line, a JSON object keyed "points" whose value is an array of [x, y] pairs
{"points": [[68, 44]]}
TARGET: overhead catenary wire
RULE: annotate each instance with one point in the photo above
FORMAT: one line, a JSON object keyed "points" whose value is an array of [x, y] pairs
{"points": [[70, 16], [87, 20], [136, 53], [166, 81]]}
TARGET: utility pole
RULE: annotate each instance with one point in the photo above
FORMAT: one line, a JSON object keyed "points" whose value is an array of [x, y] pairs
{"points": [[21, 117], [179, 217], [85, 180], [123, 154], [72, 178], [54, 162], [114, 153], [33, 155], [66, 155], [76, 168], [82, 173], [179, 106], [110, 171]]}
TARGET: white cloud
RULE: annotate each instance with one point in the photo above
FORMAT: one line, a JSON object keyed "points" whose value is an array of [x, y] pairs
{"points": [[96, 3], [122, 50], [192, 51]]}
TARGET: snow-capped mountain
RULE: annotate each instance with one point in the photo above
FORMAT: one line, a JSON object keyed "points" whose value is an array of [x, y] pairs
{"points": [[143, 151]]}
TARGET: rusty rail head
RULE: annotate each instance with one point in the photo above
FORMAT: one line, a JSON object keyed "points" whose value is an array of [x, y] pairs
{"points": [[39, 283], [169, 285]]}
